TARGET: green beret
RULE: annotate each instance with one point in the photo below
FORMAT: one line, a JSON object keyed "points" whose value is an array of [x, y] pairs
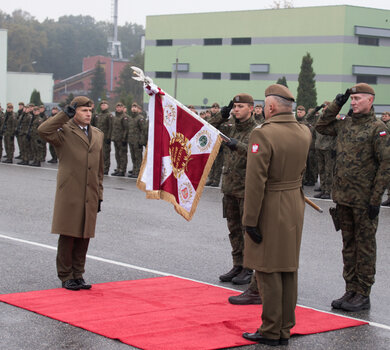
{"points": [[280, 91], [243, 98], [215, 104], [103, 102], [120, 104], [21, 103], [10, 105], [82, 101], [301, 108], [362, 88]]}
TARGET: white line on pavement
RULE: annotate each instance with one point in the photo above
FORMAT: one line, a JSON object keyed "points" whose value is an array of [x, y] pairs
{"points": [[118, 263]]}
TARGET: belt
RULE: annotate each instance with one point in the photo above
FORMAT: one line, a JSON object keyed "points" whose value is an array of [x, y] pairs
{"points": [[283, 185]]}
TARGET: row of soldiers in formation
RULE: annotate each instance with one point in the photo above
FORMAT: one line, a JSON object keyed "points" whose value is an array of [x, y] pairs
{"points": [[320, 160], [118, 127]]}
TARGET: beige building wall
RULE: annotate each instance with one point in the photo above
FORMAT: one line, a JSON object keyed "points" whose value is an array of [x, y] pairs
{"points": [[20, 85]]}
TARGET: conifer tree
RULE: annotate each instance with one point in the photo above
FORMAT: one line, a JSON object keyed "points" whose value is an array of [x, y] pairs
{"points": [[307, 93], [35, 98], [98, 83], [282, 81]]}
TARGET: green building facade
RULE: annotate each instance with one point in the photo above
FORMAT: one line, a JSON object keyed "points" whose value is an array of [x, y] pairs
{"points": [[221, 54]]}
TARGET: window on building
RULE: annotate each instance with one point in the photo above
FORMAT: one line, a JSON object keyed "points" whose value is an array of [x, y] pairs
{"points": [[212, 41], [164, 42], [239, 76], [368, 79], [164, 75], [241, 41], [371, 41], [209, 75]]}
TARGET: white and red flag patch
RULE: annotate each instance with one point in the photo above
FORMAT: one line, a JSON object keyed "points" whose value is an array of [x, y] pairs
{"points": [[180, 153], [382, 133], [255, 147]]}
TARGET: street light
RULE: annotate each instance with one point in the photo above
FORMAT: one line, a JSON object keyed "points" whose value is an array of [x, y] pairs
{"points": [[177, 65], [26, 64]]}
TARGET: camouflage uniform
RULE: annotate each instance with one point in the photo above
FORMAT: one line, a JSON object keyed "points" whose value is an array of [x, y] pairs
{"points": [[311, 173], [325, 149], [119, 137], [25, 144], [135, 138], [387, 201], [259, 118], [103, 121], [362, 170], [8, 132], [233, 180], [43, 144], [35, 140]]}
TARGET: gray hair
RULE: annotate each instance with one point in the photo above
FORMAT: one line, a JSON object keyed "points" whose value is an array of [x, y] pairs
{"points": [[282, 102]]}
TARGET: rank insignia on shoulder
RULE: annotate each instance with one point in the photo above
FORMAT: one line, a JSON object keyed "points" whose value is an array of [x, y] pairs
{"points": [[382, 133], [255, 148]]}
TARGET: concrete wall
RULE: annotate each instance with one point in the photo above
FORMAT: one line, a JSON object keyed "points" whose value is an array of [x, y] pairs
{"points": [[3, 67], [20, 85]]}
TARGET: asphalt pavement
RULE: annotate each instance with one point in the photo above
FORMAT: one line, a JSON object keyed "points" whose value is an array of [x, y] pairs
{"points": [[139, 238]]}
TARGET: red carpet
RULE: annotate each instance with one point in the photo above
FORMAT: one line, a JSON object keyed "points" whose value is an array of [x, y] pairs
{"points": [[163, 313]]}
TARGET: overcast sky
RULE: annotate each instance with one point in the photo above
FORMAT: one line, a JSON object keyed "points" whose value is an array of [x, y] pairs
{"points": [[136, 11]]}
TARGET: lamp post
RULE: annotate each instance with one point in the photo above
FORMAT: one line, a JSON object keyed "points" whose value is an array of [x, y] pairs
{"points": [[177, 65], [26, 64]]}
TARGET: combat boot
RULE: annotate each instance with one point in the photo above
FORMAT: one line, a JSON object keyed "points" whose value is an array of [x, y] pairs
{"points": [[7, 161], [115, 173], [325, 196], [357, 303], [228, 276], [209, 183], [249, 297], [318, 195], [336, 304], [244, 277]]}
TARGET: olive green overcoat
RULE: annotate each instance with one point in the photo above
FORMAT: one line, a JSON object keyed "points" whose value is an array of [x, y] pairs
{"points": [[79, 177], [274, 201]]}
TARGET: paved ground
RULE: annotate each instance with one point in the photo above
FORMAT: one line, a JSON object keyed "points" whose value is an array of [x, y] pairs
{"points": [[148, 236]]}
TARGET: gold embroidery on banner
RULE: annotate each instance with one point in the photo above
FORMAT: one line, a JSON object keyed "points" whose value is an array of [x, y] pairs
{"points": [[180, 153]]}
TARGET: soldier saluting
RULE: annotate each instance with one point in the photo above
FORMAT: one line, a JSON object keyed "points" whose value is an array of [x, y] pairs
{"points": [[360, 178]]}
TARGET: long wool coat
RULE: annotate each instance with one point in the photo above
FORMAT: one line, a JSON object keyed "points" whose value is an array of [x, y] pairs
{"points": [[79, 177], [274, 200]]}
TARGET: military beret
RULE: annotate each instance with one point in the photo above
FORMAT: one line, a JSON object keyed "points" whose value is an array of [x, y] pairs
{"points": [[362, 88], [82, 101], [301, 108], [103, 102], [259, 105], [10, 105], [31, 105], [215, 104], [36, 108], [119, 104], [42, 106], [134, 104], [280, 91], [243, 98], [55, 107], [21, 103], [190, 107]]}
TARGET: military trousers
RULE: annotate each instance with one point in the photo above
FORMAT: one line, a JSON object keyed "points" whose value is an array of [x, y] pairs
{"points": [[359, 248], [136, 157], [233, 208], [279, 292], [120, 156], [36, 149], [25, 149], [9, 145], [311, 172], [107, 155], [216, 170], [71, 256], [325, 163], [52, 152]]}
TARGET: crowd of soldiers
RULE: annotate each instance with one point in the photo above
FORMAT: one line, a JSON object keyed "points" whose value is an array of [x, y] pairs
{"points": [[118, 127]]}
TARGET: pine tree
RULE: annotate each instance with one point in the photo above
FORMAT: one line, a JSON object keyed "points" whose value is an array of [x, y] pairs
{"points": [[282, 81], [35, 98], [307, 93], [98, 83]]}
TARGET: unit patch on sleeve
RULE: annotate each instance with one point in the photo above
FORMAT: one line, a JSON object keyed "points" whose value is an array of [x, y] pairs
{"points": [[255, 147]]}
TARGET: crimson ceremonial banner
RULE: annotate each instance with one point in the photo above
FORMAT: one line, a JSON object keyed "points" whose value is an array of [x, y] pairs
{"points": [[181, 150]]}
